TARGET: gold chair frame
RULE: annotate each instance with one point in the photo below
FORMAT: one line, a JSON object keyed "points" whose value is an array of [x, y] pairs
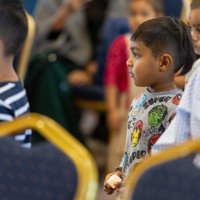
{"points": [[26, 48], [63, 140], [175, 152]]}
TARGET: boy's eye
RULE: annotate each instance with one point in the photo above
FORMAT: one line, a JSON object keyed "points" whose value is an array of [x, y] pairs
{"points": [[135, 55]]}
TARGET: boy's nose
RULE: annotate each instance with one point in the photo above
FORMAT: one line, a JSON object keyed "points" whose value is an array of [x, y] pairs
{"points": [[129, 62]]}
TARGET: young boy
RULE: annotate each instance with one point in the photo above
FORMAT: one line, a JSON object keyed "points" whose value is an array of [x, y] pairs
{"points": [[160, 48], [13, 31]]}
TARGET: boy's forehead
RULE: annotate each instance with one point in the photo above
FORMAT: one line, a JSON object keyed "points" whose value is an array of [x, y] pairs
{"points": [[140, 47], [136, 44], [133, 45]]}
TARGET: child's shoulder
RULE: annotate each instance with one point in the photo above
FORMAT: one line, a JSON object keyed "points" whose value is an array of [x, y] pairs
{"points": [[8, 86]]}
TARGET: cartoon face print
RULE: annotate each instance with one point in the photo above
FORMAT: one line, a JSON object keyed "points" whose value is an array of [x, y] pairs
{"points": [[152, 141], [156, 115], [136, 133], [177, 99], [139, 105]]}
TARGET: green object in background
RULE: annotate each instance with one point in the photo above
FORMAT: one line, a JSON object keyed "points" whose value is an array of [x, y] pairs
{"points": [[49, 93]]}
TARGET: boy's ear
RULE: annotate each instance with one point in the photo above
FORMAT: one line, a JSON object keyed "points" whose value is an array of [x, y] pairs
{"points": [[165, 62]]}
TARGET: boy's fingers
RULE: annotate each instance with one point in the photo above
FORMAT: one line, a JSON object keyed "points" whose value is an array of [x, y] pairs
{"points": [[119, 173], [118, 184], [108, 190], [106, 185]]}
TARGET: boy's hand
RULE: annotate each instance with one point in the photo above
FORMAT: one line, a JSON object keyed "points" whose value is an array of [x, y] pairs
{"points": [[107, 188]]}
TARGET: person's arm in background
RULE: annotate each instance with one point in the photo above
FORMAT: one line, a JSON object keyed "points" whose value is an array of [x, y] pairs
{"points": [[113, 112], [50, 16], [83, 77], [64, 12], [115, 66]]}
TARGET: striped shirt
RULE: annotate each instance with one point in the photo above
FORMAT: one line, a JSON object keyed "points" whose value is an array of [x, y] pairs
{"points": [[14, 103], [186, 124]]}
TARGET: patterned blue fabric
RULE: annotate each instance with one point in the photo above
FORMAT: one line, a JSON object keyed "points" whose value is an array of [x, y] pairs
{"points": [[175, 180], [39, 173]]}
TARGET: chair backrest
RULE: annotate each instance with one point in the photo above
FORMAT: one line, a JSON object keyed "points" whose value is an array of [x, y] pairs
{"points": [[63, 169], [24, 55], [170, 175], [42, 172]]}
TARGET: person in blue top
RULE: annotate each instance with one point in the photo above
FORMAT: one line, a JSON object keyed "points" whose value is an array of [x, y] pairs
{"points": [[13, 31]]}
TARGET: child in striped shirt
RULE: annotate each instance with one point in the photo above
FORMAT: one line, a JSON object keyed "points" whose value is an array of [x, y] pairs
{"points": [[13, 31]]}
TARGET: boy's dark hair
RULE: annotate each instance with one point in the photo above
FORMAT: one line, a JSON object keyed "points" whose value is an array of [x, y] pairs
{"points": [[168, 35], [13, 26], [195, 4], [157, 5]]}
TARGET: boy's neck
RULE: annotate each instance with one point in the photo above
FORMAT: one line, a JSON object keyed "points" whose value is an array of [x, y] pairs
{"points": [[7, 72], [162, 88]]}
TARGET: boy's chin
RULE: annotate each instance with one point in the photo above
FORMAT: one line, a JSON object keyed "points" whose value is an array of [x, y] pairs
{"points": [[137, 84]]}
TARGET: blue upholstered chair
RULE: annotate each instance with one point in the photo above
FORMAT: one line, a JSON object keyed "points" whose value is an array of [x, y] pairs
{"points": [[61, 169], [42, 172], [170, 175]]}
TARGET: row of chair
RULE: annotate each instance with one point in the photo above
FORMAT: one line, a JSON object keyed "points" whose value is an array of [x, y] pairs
{"points": [[63, 169]]}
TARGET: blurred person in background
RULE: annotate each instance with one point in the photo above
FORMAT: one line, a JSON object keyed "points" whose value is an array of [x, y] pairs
{"points": [[61, 58]]}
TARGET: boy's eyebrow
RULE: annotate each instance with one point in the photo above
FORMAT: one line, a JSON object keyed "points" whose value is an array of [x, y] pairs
{"points": [[134, 48]]}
